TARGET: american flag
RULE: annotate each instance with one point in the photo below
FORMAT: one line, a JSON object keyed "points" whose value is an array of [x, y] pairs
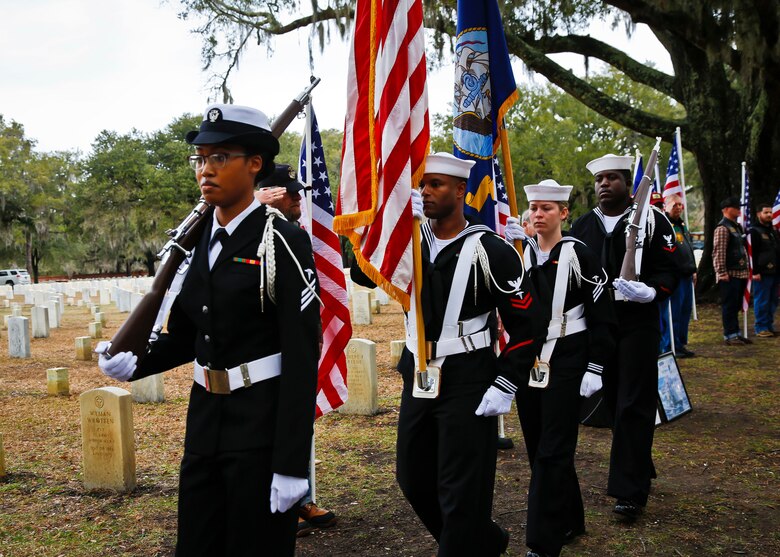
{"points": [[672, 185], [386, 140], [745, 220], [502, 207], [334, 314], [776, 211]]}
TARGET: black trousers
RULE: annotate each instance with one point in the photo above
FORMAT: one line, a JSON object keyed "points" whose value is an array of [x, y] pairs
{"points": [[224, 508], [731, 292], [446, 467], [631, 390], [550, 421]]}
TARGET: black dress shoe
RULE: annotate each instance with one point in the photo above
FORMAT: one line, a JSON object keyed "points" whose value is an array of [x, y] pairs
{"points": [[504, 540], [745, 340], [628, 509], [684, 353], [573, 534]]}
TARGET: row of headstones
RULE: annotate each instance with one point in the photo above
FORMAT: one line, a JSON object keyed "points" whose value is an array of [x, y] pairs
{"points": [[19, 345], [108, 446], [86, 288]]}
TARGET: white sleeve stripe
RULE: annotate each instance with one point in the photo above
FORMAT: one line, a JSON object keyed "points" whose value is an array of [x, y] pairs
{"points": [[505, 384]]}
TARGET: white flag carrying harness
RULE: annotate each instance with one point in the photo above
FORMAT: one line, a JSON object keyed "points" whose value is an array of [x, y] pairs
{"points": [[561, 323], [457, 337]]}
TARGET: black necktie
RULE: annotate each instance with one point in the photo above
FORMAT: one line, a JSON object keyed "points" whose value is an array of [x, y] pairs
{"points": [[221, 236]]}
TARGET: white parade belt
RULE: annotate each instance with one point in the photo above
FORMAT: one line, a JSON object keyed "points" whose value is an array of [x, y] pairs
{"points": [[225, 381], [469, 338], [571, 322]]}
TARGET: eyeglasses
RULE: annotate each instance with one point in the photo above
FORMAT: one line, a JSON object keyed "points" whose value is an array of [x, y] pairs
{"points": [[217, 160]]}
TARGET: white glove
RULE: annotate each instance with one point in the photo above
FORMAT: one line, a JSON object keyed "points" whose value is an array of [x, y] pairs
{"points": [[514, 230], [635, 291], [417, 204], [120, 366], [591, 383], [286, 491], [495, 402]]}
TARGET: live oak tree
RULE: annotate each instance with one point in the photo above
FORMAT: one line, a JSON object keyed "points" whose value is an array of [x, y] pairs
{"points": [[725, 54]]}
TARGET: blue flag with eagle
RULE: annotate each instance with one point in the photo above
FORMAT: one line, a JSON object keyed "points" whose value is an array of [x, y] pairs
{"points": [[485, 90]]}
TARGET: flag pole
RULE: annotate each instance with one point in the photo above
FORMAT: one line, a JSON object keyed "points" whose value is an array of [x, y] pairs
{"points": [[742, 220], [309, 167], [309, 182], [678, 140], [422, 364], [509, 179]]}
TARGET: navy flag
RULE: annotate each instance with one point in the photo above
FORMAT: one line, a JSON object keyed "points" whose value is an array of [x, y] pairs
{"points": [[485, 90]]}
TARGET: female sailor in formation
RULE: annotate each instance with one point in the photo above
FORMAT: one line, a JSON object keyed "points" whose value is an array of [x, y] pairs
{"points": [[571, 282]]}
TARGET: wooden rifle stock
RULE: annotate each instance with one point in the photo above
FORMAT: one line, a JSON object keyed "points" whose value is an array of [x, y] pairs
{"points": [[133, 335], [635, 230]]}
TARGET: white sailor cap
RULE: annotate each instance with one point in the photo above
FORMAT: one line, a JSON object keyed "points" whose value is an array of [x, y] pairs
{"points": [[610, 162], [231, 123], [547, 190], [445, 163]]}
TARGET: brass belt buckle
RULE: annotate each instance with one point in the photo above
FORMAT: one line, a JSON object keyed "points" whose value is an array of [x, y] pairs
{"points": [[217, 381]]}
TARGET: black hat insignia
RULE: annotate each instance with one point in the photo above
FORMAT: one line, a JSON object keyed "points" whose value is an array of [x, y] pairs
{"points": [[214, 115]]}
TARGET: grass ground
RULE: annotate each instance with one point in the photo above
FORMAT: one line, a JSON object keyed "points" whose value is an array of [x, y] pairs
{"points": [[716, 494]]}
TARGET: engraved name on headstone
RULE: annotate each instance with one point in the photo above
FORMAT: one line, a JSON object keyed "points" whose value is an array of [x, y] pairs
{"points": [[361, 378], [108, 446]]}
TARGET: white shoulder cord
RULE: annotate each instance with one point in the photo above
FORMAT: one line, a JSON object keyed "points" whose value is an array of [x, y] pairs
{"points": [[267, 256], [485, 263]]}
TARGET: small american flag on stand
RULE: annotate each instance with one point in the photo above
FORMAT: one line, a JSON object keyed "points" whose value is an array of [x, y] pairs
{"points": [[745, 220], [776, 211], [672, 185], [336, 324]]}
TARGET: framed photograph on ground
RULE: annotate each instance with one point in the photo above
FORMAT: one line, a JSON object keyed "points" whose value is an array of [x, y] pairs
{"points": [[673, 401]]}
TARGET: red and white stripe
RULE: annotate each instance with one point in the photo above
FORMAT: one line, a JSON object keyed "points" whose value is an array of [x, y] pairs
{"points": [[334, 314], [376, 214]]}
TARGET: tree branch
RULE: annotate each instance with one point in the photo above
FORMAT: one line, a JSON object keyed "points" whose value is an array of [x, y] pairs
{"points": [[588, 46], [637, 120], [707, 36]]}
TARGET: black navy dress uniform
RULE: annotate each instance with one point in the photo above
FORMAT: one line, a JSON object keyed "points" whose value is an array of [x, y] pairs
{"points": [[235, 442], [631, 376], [446, 455], [550, 416]]}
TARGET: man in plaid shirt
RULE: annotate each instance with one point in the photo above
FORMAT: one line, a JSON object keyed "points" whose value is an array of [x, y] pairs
{"points": [[729, 258]]}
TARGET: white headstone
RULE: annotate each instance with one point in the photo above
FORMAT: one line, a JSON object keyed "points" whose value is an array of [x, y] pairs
{"points": [[101, 317], [107, 439], [382, 296], [19, 337], [57, 381], [16, 310], [396, 348], [361, 307], [84, 348], [149, 389], [105, 297], [40, 322], [96, 330], [54, 313], [362, 379]]}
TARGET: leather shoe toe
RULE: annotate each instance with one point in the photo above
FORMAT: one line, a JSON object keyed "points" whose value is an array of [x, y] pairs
{"points": [[628, 509]]}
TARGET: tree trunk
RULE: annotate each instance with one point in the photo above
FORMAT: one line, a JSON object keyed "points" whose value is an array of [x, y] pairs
{"points": [[150, 260]]}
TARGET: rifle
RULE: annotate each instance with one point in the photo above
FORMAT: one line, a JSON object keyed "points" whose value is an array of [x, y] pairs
{"points": [[635, 231], [133, 335]]}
